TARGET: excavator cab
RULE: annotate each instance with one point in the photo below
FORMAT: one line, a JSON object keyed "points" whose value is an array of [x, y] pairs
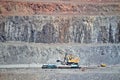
{"points": [[69, 59]]}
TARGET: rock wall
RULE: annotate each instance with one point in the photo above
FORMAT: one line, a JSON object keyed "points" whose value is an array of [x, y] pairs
{"points": [[59, 29], [24, 53]]}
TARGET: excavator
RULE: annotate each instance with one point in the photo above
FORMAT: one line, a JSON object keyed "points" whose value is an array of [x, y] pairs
{"points": [[70, 61]]}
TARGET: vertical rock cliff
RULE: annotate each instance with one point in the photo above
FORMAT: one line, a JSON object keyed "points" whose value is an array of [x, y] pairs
{"points": [[58, 29]]}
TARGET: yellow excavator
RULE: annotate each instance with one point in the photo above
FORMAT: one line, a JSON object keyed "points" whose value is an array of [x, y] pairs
{"points": [[70, 61]]}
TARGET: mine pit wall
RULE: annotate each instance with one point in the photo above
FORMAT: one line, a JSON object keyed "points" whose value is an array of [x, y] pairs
{"points": [[32, 53], [94, 7], [40, 32], [61, 29]]}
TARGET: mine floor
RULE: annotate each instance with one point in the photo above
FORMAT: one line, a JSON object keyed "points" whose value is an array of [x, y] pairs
{"points": [[100, 73]]}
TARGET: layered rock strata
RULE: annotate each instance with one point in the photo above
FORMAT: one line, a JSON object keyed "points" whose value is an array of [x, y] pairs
{"points": [[38, 25]]}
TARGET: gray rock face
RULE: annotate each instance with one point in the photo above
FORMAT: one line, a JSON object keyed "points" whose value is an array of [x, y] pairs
{"points": [[2, 29], [61, 29], [23, 53]]}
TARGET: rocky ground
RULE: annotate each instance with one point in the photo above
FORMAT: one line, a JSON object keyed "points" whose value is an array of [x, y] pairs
{"points": [[109, 73]]}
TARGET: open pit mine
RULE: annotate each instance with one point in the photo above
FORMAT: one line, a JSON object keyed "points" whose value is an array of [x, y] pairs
{"points": [[60, 40]]}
